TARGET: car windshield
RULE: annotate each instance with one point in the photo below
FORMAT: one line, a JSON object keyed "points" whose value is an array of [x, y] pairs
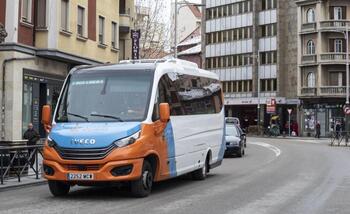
{"points": [[105, 96], [231, 131]]}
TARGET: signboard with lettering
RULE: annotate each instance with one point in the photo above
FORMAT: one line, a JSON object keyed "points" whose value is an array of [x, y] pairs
{"points": [[271, 106], [135, 36]]}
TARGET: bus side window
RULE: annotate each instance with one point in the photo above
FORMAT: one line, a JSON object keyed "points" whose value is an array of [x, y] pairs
{"points": [[160, 98], [155, 115]]}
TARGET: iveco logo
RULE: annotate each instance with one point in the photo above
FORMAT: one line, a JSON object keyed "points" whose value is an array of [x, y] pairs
{"points": [[83, 141]]}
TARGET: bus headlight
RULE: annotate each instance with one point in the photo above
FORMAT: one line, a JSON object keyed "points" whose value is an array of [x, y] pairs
{"points": [[127, 141], [50, 142]]}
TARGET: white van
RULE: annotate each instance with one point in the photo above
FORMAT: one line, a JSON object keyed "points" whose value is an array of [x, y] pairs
{"points": [[139, 121]]}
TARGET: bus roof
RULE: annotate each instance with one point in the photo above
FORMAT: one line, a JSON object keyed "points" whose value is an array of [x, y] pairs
{"points": [[148, 64]]}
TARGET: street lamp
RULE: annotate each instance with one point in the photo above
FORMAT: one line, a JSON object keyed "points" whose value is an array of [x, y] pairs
{"points": [[183, 4], [257, 58]]}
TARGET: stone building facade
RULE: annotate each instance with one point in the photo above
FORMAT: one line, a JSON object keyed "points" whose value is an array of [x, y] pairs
{"points": [[322, 62], [45, 39], [251, 40]]}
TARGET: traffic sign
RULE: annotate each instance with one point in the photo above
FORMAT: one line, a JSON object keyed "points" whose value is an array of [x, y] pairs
{"points": [[347, 109], [290, 111]]}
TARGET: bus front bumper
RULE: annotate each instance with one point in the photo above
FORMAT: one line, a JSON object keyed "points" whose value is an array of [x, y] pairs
{"points": [[125, 170]]}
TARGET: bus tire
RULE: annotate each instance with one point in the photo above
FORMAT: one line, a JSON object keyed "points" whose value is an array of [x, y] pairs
{"points": [[58, 188], [201, 174], [143, 186]]}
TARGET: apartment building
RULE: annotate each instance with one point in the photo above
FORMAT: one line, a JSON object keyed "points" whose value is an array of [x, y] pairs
{"points": [[322, 62], [45, 39], [251, 40]]}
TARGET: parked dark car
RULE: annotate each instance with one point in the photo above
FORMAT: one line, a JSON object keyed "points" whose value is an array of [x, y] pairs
{"points": [[234, 141], [243, 135]]}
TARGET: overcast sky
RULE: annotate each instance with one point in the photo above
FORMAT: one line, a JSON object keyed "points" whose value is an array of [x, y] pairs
{"points": [[167, 13]]}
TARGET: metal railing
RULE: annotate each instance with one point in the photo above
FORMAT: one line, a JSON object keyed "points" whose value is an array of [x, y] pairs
{"points": [[309, 58], [333, 57], [308, 91], [333, 90], [308, 27], [333, 24], [337, 138], [17, 160]]}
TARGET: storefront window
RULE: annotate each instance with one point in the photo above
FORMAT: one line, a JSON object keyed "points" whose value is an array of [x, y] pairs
{"points": [[27, 105], [310, 120]]}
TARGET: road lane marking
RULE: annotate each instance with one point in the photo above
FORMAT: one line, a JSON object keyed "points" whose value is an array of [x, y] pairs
{"points": [[276, 150]]}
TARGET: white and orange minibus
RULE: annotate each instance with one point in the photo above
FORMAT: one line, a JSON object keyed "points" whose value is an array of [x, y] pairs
{"points": [[137, 122]]}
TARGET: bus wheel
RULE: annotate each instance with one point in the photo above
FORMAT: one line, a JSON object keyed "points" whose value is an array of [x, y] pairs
{"points": [[201, 174], [143, 186], [58, 188]]}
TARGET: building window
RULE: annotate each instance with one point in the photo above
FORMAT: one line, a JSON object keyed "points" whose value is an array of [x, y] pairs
{"points": [[337, 79], [311, 80], [81, 21], [338, 13], [310, 48], [268, 85], [101, 29], [267, 58], [114, 35], [268, 4], [122, 54], [310, 16], [229, 10], [268, 30], [64, 15], [27, 11], [41, 14], [338, 46]]}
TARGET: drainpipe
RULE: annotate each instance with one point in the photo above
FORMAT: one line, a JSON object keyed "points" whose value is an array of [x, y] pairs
{"points": [[3, 106]]}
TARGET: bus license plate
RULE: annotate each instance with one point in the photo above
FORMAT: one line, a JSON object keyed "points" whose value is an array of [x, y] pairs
{"points": [[80, 176]]}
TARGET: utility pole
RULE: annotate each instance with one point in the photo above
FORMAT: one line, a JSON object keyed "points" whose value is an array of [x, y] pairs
{"points": [[182, 4], [258, 61], [175, 39], [347, 117]]}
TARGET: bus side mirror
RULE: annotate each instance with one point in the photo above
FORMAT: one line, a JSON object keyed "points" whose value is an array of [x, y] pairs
{"points": [[164, 110], [46, 115]]}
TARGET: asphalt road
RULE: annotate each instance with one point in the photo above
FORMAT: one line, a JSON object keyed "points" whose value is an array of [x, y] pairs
{"points": [[282, 176]]}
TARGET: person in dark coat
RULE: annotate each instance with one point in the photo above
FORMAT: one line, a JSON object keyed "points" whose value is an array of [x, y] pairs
{"points": [[337, 129], [318, 130], [32, 136]]}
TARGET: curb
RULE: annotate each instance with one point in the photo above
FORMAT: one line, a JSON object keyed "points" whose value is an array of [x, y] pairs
{"points": [[4, 188], [288, 138]]}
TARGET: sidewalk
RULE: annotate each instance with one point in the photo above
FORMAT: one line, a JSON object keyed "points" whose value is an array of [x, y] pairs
{"points": [[305, 139], [25, 181]]}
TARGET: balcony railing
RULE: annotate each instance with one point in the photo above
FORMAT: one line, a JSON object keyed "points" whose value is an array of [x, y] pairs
{"points": [[309, 59], [333, 57], [125, 11], [308, 27], [308, 91], [333, 90], [334, 24]]}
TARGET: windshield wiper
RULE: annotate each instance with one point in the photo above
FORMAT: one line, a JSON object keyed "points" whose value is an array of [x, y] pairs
{"points": [[80, 116], [107, 116]]}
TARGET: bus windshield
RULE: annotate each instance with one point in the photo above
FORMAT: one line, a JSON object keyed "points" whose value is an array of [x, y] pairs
{"points": [[105, 96]]}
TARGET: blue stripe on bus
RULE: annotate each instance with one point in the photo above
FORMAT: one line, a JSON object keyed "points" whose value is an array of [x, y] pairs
{"points": [[223, 144], [169, 136]]}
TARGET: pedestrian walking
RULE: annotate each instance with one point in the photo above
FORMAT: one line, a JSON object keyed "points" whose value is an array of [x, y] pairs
{"points": [[32, 136], [337, 129], [295, 128], [318, 130]]}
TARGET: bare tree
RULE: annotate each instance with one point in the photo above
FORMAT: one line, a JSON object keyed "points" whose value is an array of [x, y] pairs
{"points": [[154, 29]]}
